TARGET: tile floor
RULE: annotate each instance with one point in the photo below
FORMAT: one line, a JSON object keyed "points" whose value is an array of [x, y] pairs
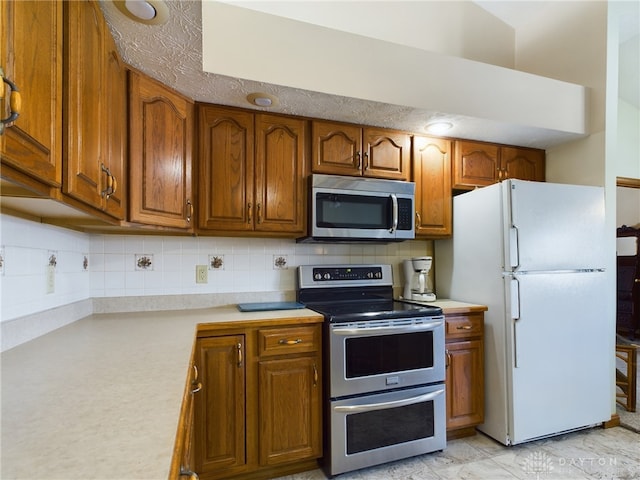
{"points": [[596, 453]]}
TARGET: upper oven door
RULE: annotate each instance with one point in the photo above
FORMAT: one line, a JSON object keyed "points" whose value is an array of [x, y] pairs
{"points": [[387, 354]]}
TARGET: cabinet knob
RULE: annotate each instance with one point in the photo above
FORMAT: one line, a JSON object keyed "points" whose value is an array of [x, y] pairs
{"points": [[290, 342]]}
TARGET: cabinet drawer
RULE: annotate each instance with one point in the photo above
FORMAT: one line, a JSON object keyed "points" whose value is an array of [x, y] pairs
{"points": [[461, 326], [281, 341]]}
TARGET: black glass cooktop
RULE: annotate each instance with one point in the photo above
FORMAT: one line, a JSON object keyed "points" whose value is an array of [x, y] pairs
{"points": [[383, 309]]}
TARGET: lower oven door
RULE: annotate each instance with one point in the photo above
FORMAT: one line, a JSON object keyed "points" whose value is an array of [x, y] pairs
{"points": [[373, 429]]}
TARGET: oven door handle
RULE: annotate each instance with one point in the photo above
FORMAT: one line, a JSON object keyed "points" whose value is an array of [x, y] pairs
{"points": [[385, 405], [423, 327]]}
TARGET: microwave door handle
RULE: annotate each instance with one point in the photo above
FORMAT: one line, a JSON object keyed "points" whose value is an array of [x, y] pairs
{"points": [[394, 204]]}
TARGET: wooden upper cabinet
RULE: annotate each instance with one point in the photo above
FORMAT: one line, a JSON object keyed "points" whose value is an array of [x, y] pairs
{"points": [[84, 148], [94, 107], [280, 174], [225, 168], [337, 148], [387, 154], [115, 190], [251, 172], [523, 163], [31, 57], [432, 176], [478, 164], [475, 164], [345, 149], [160, 143]]}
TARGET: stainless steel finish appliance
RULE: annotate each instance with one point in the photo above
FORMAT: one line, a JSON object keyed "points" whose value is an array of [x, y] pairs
{"points": [[384, 367], [360, 209]]}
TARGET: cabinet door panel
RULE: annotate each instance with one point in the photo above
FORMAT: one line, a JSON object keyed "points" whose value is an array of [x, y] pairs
{"points": [[387, 154], [432, 176], [84, 107], [161, 129], [280, 174], [465, 384], [336, 148], [523, 163], [226, 169], [290, 410], [31, 56], [116, 131], [220, 406], [475, 164]]}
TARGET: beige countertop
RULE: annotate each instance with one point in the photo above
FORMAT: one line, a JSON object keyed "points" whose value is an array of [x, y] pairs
{"points": [[100, 398], [453, 306]]}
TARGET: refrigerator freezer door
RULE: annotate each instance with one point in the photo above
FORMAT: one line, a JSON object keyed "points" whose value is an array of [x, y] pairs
{"points": [[554, 226], [558, 359]]}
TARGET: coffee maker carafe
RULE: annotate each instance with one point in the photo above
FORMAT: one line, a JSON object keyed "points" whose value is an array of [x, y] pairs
{"points": [[417, 282]]}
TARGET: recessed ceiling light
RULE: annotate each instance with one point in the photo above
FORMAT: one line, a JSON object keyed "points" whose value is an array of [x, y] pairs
{"points": [[262, 99], [149, 12], [438, 127]]}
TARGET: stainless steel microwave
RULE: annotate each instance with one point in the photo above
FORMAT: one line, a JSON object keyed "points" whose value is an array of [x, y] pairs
{"points": [[360, 209]]}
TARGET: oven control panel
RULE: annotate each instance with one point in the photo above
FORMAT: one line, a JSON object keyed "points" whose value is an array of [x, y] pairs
{"points": [[347, 273], [311, 276]]}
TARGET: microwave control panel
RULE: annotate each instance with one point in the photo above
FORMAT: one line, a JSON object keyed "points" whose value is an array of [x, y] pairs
{"points": [[405, 214]]}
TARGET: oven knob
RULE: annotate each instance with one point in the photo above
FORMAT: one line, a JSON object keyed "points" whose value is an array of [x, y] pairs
{"points": [[327, 276], [317, 276], [369, 274], [378, 274]]}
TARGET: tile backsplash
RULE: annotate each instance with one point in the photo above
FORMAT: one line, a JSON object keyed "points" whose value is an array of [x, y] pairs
{"points": [[90, 266]]}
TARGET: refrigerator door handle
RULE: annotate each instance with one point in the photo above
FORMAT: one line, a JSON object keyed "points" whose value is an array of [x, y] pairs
{"points": [[514, 292], [514, 257]]}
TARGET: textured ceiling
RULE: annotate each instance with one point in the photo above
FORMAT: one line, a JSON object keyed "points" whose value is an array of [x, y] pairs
{"points": [[172, 53]]}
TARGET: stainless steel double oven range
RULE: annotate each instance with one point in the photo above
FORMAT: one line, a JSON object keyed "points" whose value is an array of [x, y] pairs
{"points": [[384, 367]]}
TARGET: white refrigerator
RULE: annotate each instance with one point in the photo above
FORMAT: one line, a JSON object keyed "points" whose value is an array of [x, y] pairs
{"points": [[533, 252]]}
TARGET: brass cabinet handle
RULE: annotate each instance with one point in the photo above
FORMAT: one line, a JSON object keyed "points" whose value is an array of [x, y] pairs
{"points": [[448, 361], [366, 161], [111, 183], [249, 213], [315, 375], [358, 160], [637, 280], [197, 386], [259, 207], [418, 219], [15, 101], [189, 211], [464, 327], [239, 347], [189, 474], [290, 342]]}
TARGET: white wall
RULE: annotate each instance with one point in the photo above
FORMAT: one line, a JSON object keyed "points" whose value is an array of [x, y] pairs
{"points": [[112, 270], [628, 148], [26, 249]]}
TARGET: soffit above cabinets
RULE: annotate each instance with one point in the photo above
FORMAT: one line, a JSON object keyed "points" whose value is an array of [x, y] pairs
{"points": [[370, 81]]}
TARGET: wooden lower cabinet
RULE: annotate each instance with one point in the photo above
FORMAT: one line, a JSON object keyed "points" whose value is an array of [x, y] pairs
{"points": [[259, 412], [465, 373]]}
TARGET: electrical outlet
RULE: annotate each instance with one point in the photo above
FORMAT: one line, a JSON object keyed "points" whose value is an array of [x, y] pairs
{"points": [[202, 273], [51, 278]]}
